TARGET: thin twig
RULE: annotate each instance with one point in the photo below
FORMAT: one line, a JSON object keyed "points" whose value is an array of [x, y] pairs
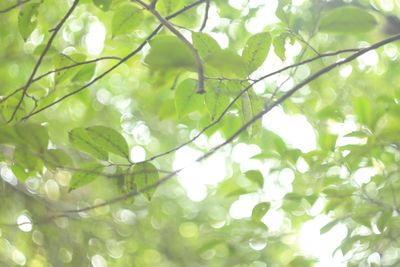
{"points": [[171, 28], [205, 19], [124, 59], [19, 3], [42, 55]]}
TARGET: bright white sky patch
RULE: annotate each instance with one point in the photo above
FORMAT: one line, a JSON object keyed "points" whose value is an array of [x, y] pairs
{"points": [[322, 246], [295, 130], [94, 39]]}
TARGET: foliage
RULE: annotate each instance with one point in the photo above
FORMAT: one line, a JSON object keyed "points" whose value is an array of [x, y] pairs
{"points": [[112, 155]]}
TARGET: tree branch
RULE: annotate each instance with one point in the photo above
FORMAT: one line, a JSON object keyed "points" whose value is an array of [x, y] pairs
{"points": [[42, 55], [171, 28], [205, 19]]}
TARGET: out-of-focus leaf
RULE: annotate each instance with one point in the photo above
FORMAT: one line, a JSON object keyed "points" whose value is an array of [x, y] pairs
{"points": [[260, 210], [85, 73], [103, 4], [33, 135], [27, 20], [56, 158], [347, 19], [205, 44], [88, 173], [327, 227], [168, 52], [145, 175], [256, 177], [126, 19], [187, 99]]}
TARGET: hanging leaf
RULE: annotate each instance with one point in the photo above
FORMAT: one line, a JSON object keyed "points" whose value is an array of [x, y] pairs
{"points": [[33, 135], [256, 50], [187, 99], [169, 52], [260, 210], [126, 19], [145, 174], [109, 139], [82, 140], [56, 158], [279, 46], [27, 21], [256, 177], [87, 174], [85, 73], [251, 105], [348, 19], [205, 44], [327, 227]]}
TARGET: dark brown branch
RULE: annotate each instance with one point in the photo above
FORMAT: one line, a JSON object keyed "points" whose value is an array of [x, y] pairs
{"points": [[171, 28], [205, 19], [19, 3], [76, 64], [258, 116], [42, 55], [124, 59]]}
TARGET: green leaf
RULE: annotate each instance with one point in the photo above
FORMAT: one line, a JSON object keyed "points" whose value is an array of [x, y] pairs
{"points": [[227, 63], [126, 19], [256, 177], [25, 159], [103, 4], [27, 21], [169, 52], [205, 44], [327, 227], [217, 98], [7, 135], [256, 50], [279, 46], [98, 141], [251, 105], [260, 210], [348, 19], [56, 158], [83, 141], [187, 99], [85, 73], [33, 135], [109, 140], [87, 174], [145, 174], [19, 172]]}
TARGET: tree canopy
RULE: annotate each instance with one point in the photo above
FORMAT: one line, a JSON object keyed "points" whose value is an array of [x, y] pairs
{"points": [[199, 133]]}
